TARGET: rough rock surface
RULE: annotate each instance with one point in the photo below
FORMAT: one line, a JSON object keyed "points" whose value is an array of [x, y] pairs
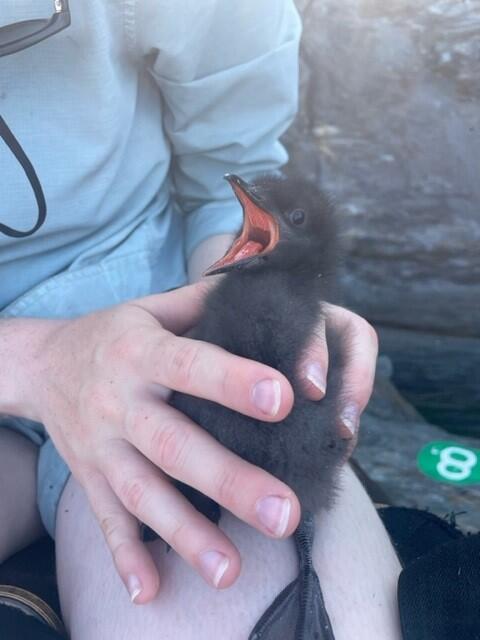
{"points": [[391, 437], [390, 119], [391, 102]]}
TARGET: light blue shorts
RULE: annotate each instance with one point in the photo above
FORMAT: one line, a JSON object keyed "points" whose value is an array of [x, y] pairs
{"points": [[151, 260]]}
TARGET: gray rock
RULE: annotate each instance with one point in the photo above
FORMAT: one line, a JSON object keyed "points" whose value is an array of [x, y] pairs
{"points": [[390, 97], [391, 436]]}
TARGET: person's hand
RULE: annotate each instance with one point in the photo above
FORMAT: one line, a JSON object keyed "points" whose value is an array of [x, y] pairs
{"points": [[361, 344], [358, 336], [99, 384]]}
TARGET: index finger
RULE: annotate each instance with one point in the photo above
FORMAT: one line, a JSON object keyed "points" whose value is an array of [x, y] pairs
{"points": [[209, 372]]}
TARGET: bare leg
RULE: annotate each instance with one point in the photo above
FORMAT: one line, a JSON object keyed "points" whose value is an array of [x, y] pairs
{"points": [[354, 558], [20, 522]]}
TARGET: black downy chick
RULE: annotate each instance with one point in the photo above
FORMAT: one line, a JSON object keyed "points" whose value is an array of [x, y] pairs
{"points": [[278, 271]]}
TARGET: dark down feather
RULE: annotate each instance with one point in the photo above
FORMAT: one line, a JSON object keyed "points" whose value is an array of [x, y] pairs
{"points": [[279, 271], [268, 312]]}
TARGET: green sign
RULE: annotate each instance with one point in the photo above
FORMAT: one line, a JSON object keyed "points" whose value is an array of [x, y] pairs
{"points": [[450, 462]]}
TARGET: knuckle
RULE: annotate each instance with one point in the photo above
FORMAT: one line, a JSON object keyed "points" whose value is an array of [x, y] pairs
{"points": [[133, 493], [362, 382], [127, 347], [362, 328], [102, 401], [182, 363], [135, 419], [180, 532], [227, 486], [227, 382], [170, 445], [373, 336], [86, 474], [112, 530], [369, 332]]}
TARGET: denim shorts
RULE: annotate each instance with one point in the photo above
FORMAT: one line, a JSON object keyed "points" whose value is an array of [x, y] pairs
{"points": [[151, 260]]}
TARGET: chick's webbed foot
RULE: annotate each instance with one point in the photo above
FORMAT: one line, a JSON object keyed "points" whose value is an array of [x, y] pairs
{"points": [[298, 612]]}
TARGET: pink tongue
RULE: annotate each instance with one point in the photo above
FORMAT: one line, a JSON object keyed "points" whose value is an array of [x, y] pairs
{"points": [[250, 248]]}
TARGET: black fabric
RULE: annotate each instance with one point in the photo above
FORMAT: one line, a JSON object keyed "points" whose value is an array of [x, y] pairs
{"points": [[414, 533], [33, 569], [439, 593], [439, 587], [16, 625]]}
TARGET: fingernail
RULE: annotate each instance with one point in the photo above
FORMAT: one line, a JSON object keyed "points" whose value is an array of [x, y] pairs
{"points": [[350, 418], [214, 566], [134, 587], [316, 376], [267, 395], [274, 513]]}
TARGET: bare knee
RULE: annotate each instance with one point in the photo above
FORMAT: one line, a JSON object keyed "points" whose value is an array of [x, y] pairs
{"points": [[358, 575], [86, 578]]}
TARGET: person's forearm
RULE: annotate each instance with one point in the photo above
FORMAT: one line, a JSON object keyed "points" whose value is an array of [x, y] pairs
{"points": [[206, 253], [20, 339]]}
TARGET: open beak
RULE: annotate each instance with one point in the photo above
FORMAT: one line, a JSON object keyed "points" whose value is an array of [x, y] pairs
{"points": [[260, 233]]}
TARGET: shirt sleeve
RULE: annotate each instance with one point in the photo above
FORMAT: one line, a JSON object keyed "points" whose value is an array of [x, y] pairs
{"points": [[228, 76]]}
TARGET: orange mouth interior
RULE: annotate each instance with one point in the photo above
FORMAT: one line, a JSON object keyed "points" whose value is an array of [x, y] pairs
{"points": [[259, 235]]}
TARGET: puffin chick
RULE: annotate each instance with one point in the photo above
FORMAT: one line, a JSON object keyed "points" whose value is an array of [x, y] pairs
{"points": [[278, 272]]}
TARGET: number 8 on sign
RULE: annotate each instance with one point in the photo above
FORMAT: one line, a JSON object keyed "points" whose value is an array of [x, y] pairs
{"points": [[449, 462]]}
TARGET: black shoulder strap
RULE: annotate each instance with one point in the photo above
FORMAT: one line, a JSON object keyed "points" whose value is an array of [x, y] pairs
{"points": [[27, 166]]}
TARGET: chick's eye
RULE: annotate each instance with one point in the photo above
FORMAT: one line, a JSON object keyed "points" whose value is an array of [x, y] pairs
{"points": [[297, 216]]}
